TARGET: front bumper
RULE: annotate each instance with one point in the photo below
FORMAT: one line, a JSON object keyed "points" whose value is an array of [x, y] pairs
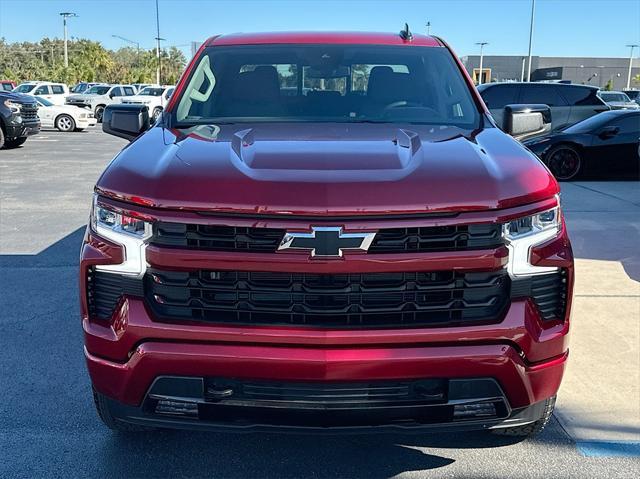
{"points": [[21, 129]]}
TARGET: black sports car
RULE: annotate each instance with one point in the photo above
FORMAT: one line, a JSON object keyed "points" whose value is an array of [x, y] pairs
{"points": [[605, 144]]}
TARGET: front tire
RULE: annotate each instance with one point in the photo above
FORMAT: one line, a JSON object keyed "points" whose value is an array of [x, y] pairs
{"points": [[1, 137], [565, 162], [156, 114], [16, 142], [65, 123], [104, 413], [99, 111], [530, 430]]}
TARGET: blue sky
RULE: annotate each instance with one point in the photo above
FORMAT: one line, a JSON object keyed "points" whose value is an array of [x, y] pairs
{"points": [[563, 27]]}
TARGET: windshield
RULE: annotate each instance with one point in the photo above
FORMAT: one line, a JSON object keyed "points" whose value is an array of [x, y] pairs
{"points": [[44, 101], [151, 91], [326, 83], [614, 96], [97, 90], [24, 88], [79, 88]]}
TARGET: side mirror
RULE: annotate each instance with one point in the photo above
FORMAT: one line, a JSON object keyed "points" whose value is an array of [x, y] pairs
{"points": [[608, 132], [125, 121], [525, 121]]}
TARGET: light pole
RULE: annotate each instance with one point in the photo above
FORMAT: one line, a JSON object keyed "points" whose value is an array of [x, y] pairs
{"points": [[158, 38], [630, 64], [533, 11], [132, 43], [428, 28], [64, 16], [482, 44]]}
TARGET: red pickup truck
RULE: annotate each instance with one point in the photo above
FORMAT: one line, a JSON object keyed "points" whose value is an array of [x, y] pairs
{"points": [[325, 230]]}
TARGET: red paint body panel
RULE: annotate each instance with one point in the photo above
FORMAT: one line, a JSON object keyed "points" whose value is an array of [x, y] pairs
{"points": [[129, 382]]}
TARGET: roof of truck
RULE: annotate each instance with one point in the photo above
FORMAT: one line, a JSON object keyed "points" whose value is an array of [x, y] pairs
{"points": [[345, 38]]}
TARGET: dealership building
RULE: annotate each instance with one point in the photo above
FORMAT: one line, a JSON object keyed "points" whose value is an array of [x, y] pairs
{"points": [[584, 70]]}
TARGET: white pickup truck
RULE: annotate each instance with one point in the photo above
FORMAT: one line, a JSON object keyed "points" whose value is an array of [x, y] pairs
{"points": [[98, 97], [154, 96]]}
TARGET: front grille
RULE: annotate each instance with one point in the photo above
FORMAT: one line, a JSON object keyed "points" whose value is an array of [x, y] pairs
{"points": [[326, 300], [217, 238], [388, 240], [29, 111]]}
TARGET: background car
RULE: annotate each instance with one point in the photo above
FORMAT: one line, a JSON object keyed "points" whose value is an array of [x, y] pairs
{"points": [[64, 117], [18, 118], [606, 144], [569, 103], [56, 93], [634, 95], [98, 97], [7, 85], [155, 97], [618, 100]]}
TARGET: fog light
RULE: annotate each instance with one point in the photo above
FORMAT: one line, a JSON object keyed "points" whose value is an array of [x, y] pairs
{"points": [[177, 408], [466, 411]]}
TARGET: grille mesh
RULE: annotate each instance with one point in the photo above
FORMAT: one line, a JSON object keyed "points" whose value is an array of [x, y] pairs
{"points": [[346, 300], [387, 240]]}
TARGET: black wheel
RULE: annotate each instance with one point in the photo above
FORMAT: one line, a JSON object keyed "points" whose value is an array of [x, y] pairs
{"points": [[156, 114], [104, 412], [99, 112], [65, 123], [564, 161], [1, 138], [529, 430], [16, 142]]}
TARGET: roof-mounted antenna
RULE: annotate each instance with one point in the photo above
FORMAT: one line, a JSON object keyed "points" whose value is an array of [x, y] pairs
{"points": [[406, 34]]}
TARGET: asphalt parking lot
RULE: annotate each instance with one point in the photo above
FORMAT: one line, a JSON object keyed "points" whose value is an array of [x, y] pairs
{"points": [[48, 427]]}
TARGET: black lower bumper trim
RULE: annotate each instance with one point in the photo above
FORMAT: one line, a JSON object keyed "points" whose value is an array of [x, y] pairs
{"points": [[215, 404]]}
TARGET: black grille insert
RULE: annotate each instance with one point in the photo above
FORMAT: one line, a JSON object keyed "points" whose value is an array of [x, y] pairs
{"points": [[104, 291], [323, 300], [387, 240], [548, 291]]}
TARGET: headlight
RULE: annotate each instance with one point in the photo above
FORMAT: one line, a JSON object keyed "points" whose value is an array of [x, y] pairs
{"points": [[132, 233], [524, 233], [14, 107]]}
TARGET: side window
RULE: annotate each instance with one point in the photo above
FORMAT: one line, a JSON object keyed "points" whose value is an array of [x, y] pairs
{"points": [[628, 124], [57, 89], [545, 94], [168, 93], [580, 96], [41, 90], [500, 96], [116, 92], [128, 91]]}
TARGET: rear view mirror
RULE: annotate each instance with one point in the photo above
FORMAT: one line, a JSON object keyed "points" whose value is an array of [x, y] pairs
{"points": [[525, 121], [126, 121]]}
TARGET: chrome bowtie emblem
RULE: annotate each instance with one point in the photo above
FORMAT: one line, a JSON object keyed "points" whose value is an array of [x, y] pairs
{"points": [[326, 241]]}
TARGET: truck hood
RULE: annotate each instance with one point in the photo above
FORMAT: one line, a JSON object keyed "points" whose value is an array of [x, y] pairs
{"points": [[17, 97], [327, 170], [81, 96], [139, 99]]}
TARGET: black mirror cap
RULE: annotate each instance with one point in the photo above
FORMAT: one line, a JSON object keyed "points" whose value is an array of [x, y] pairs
{"points": [[126, 121], [524, 121]]}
